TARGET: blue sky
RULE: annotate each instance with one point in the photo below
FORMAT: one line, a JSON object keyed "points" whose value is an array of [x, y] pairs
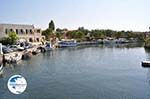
{"points": [[92, 14]]}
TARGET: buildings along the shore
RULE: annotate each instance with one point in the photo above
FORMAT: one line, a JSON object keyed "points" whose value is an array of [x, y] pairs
{"points": [[25, 32]]}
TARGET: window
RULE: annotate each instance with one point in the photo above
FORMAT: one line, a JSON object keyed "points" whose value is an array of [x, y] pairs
{"points": [[11, 30], [16, 31], [38, 31], [31, 32], [30, 40], [6, 31], [37, 39], [26, 31], [21, 31]]}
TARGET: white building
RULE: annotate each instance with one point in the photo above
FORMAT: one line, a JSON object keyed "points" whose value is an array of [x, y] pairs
{"points": [[25, 32]]}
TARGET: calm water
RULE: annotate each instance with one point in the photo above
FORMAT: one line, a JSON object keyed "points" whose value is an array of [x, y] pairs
{"points": [[90, 72]]}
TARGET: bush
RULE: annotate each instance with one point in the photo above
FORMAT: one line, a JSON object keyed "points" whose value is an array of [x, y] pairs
{"points": [[5, 41]]}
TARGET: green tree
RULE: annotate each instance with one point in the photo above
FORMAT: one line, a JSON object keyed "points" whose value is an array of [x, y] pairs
{"points": [[51, 25], [5, 41], [13, 37], [48, 33], [79, 35]]}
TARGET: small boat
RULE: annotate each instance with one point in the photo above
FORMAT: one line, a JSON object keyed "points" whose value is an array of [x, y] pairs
{"points": [[109, 41], [146, 63], [48, 47], [37, 51], [67, 43], [121, 40], [16, 58], [27, 55]]}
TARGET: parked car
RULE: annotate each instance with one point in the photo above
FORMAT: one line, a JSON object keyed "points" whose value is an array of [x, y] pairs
{"points": [[6, 49], [16, 48]]}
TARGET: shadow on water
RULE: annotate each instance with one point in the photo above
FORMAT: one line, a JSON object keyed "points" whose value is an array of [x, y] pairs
{"points": [[147, 50]]}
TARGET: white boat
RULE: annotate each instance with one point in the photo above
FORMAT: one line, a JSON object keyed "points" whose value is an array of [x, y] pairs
{"points": [[108, 41], [67, 43], [121, 40]]}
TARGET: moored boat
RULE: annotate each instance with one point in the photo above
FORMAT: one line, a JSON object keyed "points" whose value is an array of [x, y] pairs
{"points": [[121, 40], [16, 58], [48, 47], [67, 43], [146, 63]]}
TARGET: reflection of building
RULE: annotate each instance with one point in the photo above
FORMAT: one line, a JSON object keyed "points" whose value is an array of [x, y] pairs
{"points": [[25, 32]]}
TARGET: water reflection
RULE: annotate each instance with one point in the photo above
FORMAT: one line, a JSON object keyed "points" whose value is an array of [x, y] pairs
{"points": [[147, 50], [148, 76], [125, 45]]}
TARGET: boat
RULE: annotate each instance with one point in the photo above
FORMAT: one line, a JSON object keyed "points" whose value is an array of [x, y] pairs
{"points": [[146, 63], [27, 55], [36, 51], [48, 47], [108, 41], [16, 58], [121, 40], [67, 43]]}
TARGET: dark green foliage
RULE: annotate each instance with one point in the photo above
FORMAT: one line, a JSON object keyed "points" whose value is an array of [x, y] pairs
{"points": [[11, 39], [48, 33], [52, 25]]}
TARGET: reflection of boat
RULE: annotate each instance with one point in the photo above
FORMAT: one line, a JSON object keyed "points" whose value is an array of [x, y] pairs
{"points": [[67, 43]]}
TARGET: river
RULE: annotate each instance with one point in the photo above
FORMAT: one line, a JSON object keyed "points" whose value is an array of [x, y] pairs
{"points": [[84, 72]]}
